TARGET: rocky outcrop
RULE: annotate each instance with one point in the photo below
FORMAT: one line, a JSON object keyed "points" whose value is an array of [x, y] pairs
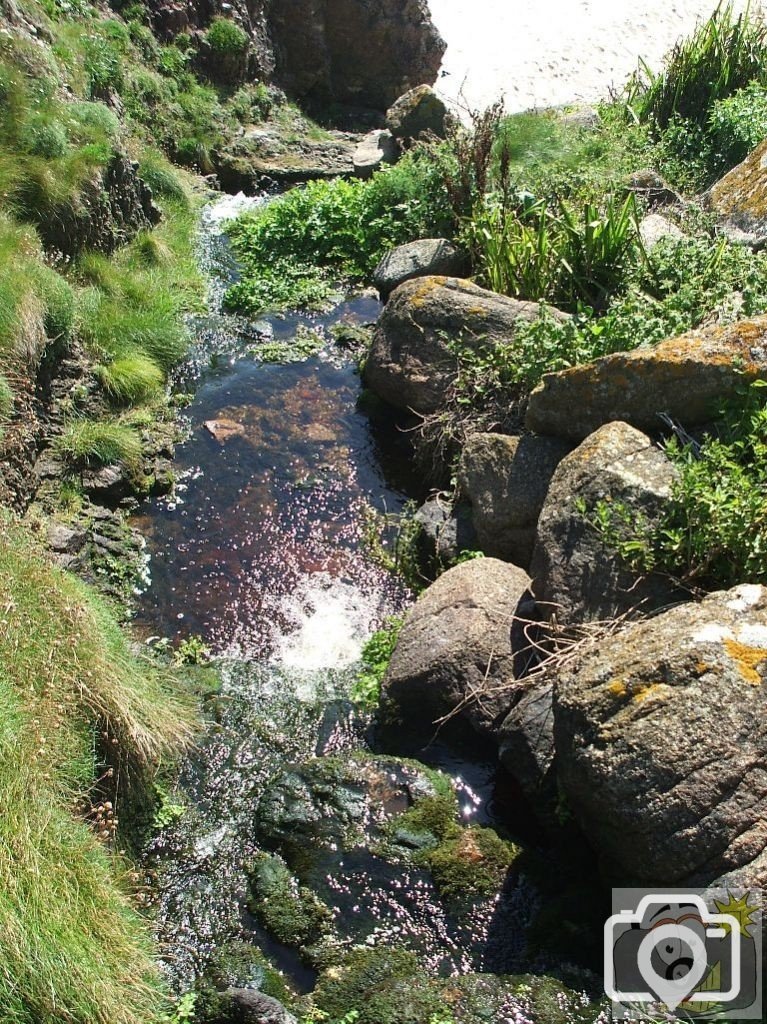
{"points": [[355, 52], [661, 737], [463, 644], [112, 207], [266, 154], [506, 479], [578, 573], [410, 363], [740, 199], [379, 147], [420, 112], [685, 377], [424, 258]]}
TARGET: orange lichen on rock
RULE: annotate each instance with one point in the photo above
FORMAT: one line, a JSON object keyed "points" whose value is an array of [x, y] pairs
{"points": [[748, 659]]}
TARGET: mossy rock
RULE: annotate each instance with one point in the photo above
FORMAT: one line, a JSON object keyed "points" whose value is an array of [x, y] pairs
{"points": [[471, 864], [238, 964], [293, 914], [384, 986]]}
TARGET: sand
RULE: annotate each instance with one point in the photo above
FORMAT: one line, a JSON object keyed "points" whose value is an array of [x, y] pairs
{"points": [[540, 53]]}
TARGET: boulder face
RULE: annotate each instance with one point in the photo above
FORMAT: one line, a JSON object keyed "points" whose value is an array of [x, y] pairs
{"points": [[506, 479], [463, 641], [410, 364], [423, 258], [576, 573], [740, 199], [685, 377], [661, 734], [419, 112]]}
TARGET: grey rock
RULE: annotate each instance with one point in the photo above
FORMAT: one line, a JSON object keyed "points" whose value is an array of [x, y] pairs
{"points": [[109, 482], [661, 735], [423, 258], [446, 531], [655, 228], [464, 642], [651, 188], [527, 742], [418, 112], [582, 117], [248, 1006], [410, 364], [686, 377], [66, 539], [379, 147], [576, 573], [506, 479]]}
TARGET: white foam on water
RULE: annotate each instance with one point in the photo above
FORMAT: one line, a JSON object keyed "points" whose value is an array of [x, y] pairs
{"points": [[220, 212], [331, 621]]}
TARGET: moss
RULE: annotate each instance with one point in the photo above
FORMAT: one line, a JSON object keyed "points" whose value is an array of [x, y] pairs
{"points": [[473, 863], [293, 914], [431, 820], [239, 964], [385, 986]]}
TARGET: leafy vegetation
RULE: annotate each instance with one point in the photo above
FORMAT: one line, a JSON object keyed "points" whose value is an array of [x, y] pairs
{"points": [[714, 528], [376, 655], [298, 248]]}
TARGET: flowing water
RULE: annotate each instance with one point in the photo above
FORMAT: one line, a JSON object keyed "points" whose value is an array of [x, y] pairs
{"points": [[261, 551]]}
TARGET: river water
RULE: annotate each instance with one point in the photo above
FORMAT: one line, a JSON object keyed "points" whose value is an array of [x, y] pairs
{"points": [[262, 552]]}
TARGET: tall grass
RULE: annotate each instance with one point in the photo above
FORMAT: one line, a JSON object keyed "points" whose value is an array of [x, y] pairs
{"points": [[71, 946], [723, 55], [537, 250]]}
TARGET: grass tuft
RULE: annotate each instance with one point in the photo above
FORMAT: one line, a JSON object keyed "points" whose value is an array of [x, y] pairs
{"points": [[91, 443]]}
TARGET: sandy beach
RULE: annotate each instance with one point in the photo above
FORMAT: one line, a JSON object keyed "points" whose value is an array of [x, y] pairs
{"points": [[550, 52]]}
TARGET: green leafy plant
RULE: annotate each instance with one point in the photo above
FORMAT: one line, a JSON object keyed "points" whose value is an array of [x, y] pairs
{"points": [[226, 39], [376, 655]]}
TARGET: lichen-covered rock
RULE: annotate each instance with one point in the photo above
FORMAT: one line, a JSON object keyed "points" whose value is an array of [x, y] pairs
{"points": [[577, 573], [506, 479], [651, 188], [661, 734], [264, 154], [740, 199], [410, 363], [685, 377], [376, 149], [423, 258], [463, 643], [419, 112]]}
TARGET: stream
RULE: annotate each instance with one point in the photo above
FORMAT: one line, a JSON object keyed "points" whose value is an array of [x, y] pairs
{"points": [[262, 552]]}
